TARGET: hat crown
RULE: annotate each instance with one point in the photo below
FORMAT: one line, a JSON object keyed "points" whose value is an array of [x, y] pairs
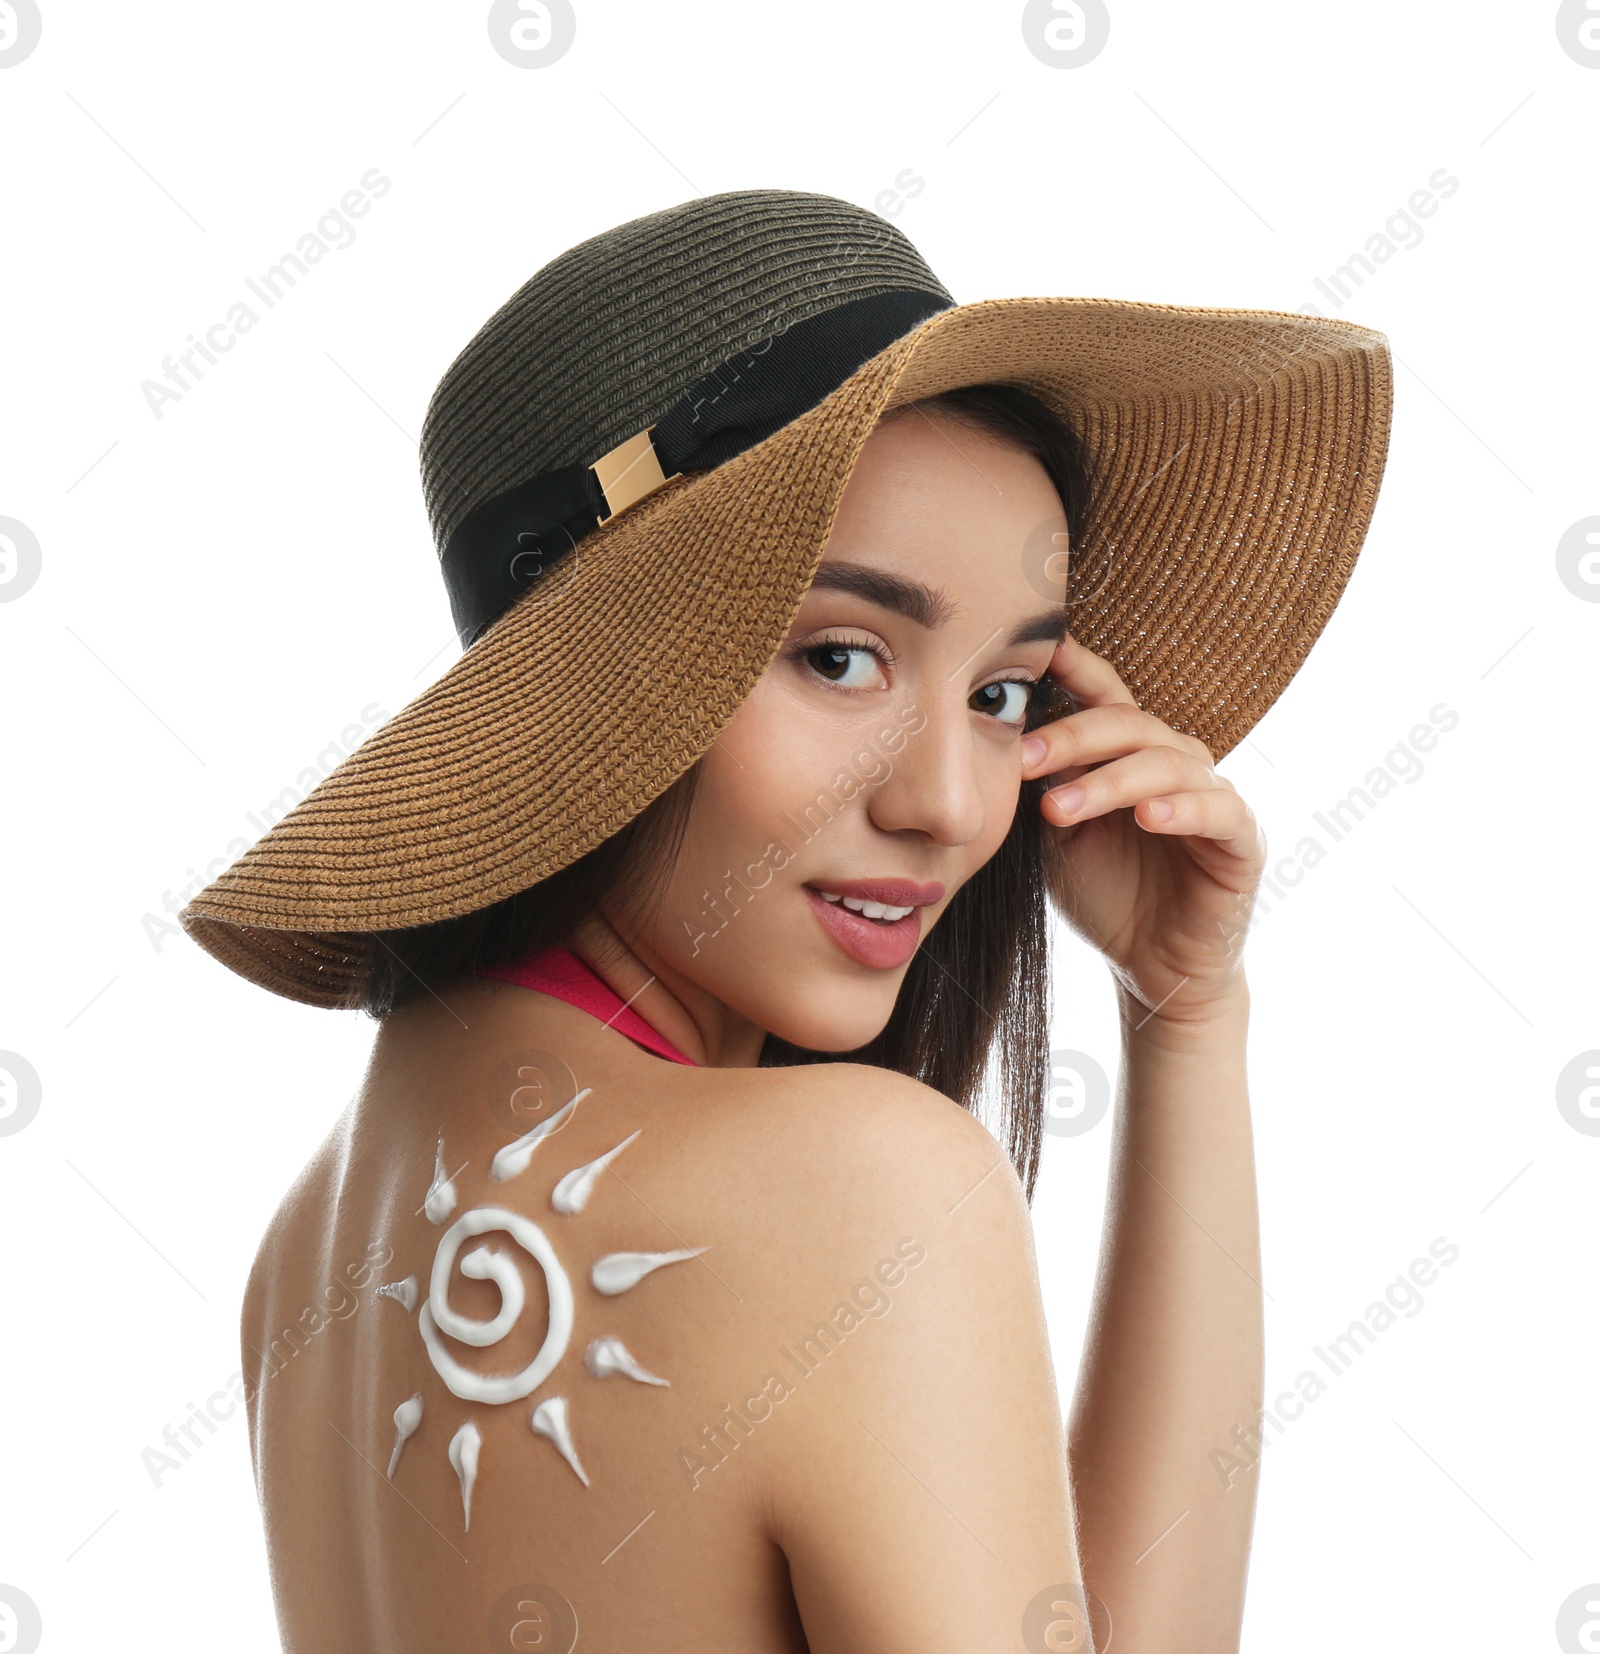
{"points": [[609, 335]]}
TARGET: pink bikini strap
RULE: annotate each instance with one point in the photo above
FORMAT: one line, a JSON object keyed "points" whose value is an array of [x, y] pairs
{"points": [[563, 975]]}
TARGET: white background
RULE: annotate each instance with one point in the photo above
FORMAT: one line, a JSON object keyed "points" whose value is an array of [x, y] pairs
{"points": [[224, 589]]}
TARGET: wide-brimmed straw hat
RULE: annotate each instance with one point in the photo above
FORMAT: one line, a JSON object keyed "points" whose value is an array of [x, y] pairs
{"points": [[632, 471]]}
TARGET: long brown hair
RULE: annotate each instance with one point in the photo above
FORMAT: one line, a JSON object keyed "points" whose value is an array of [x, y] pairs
{"points": [[980, 977]]}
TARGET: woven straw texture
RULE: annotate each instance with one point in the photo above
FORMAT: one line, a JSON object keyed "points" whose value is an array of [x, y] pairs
{"points": [[1239, 455], [597, 345]]}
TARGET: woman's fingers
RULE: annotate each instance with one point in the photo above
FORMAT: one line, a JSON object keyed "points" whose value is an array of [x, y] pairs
{"points": [[1169, 793], [1156, 772], [1098, 733], [1218, 814], [1107, 724], [1092, 678], [1112, 756]]}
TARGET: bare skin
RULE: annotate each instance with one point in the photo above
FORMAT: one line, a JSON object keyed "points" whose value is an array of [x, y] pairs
{"points": [[861, 1444]]}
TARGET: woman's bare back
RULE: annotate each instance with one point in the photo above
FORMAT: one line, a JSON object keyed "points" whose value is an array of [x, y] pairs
{"points": [[362, 1560], [695, 1487]]}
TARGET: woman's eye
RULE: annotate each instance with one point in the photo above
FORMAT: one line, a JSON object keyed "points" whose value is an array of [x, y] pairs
{"points": [[849, 666], [1006, 702]]}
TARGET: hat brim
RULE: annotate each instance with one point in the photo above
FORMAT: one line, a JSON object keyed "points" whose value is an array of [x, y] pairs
{"points": [[1238, 455]]}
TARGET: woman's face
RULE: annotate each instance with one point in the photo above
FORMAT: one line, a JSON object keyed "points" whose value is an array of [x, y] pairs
{"points": [[876, 765]]}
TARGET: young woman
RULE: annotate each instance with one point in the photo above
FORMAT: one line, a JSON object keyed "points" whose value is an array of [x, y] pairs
{"points": [[700, 1309]]}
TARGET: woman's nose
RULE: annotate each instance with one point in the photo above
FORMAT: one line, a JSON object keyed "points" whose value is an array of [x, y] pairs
{"points": [[933, 785]]}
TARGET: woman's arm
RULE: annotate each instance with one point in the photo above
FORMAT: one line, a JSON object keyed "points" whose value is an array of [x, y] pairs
{"points": [[1173, 1363], [915, 1481], [1156, 863]]}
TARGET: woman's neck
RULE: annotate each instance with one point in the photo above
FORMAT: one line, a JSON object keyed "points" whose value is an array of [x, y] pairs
{"points": [[698, 1023]]}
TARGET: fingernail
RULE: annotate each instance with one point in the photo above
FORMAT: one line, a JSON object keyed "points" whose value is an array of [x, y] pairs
{"points": [[1162, 809], [1068, 799], [1033, 749]]}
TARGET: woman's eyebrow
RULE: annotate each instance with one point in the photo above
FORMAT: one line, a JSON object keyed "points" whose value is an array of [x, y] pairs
{"points": [[923, 604], [1050, 627]]}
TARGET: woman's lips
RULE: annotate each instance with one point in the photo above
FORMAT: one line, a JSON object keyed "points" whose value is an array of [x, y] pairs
{"points": [[873, 942], [889, 892]]}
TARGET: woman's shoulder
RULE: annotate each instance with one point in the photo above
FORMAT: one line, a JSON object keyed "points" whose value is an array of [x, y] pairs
{"points": [[826, 1177], [884, 1260], [852, 1107], [875, 1140]]}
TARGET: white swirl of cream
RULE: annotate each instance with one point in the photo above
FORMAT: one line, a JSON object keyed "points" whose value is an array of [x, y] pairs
{"points": [[488, 1264]]}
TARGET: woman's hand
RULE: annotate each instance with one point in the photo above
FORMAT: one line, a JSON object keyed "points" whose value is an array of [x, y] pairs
{"points": [[1157, 862]]}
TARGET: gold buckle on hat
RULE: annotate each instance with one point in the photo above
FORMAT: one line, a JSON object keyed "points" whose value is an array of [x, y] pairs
{"points": [[630, 472]]}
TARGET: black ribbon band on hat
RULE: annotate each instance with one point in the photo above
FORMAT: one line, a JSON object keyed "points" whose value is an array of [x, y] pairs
{"points": [[508, 541]]}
